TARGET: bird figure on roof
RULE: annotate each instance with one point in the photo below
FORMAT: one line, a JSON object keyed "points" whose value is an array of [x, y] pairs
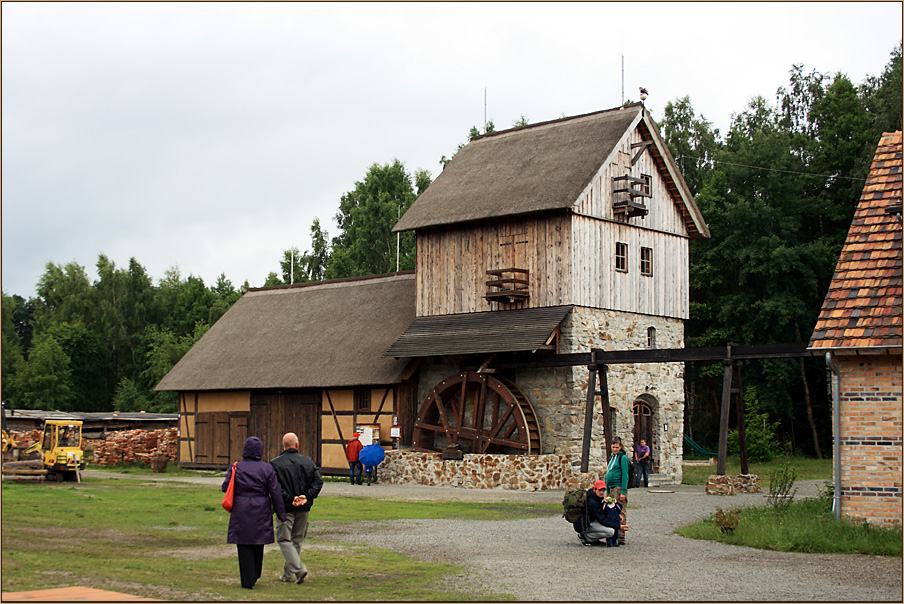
{"points": [[643, 93]]}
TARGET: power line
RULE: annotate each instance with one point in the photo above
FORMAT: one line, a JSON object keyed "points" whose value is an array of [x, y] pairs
{"points": [[728, 163]]}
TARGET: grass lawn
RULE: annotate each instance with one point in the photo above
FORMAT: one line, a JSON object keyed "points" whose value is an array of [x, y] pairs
{"points": [[806, 468], [808, 525], [168, 541]]}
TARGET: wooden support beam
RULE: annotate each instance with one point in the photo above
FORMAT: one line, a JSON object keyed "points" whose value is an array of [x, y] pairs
{"points": [[723, 418], [738, 391], [588, 418]]}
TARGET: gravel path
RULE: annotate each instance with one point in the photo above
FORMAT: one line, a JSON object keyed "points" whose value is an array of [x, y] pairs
{"points": [[541, 558]]}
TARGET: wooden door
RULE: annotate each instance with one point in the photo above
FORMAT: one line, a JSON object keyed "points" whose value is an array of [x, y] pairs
{"points": [[273, 413], [643, 428], [212, 442], [238, 433]]}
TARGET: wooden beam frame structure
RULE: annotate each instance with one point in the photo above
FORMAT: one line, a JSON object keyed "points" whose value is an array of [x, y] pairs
{"points": [[598, 360]]}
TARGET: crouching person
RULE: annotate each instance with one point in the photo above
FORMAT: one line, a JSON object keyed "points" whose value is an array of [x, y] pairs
{"points": [[598, 526]]}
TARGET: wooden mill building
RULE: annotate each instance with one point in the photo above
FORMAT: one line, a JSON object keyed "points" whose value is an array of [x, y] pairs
{"points": [[533, 243], [860, 329]]}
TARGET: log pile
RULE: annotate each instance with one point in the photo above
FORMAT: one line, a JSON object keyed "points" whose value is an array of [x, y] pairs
{"points": [[132, 446], [31, 470]]}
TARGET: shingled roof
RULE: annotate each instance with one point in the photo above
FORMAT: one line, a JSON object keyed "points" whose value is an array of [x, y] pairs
{"points": [[862, 309], [538, 168], [321, 335]]}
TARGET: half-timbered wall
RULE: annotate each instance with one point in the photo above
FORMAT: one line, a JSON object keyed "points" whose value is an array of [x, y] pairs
{"points": [[213, 427], [340, 415], [452, 263]]}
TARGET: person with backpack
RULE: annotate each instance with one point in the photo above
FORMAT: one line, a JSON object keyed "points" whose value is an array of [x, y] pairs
{"points": [[618, 477], [595, 526]]}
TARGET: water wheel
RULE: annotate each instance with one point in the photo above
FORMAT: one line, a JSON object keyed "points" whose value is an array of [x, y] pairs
{"points": [[480, 414]]}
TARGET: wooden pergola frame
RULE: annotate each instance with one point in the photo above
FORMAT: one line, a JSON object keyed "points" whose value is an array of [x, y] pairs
{"points": [[598, 361]]}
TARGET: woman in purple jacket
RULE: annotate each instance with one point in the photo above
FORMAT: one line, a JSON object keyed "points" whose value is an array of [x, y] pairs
{"points": [[256, 497]]}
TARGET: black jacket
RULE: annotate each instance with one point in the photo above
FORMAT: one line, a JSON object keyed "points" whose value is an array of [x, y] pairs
{"points": [[595, 512], [297, 475]]}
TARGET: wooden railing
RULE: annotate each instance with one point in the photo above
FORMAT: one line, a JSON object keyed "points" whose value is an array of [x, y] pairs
{"points": [[509, 285]]}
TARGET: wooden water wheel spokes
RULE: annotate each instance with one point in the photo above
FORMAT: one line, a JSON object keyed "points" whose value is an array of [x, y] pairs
{"points": [[480, 413]]}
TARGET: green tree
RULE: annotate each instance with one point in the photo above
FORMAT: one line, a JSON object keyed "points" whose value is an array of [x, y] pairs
{"points": [[292, 266], [12, 360], [126, 305], [64, 294], [89, 371], [46, 382], [883, 97], [691, 140], [315, 262], [365, 244]]}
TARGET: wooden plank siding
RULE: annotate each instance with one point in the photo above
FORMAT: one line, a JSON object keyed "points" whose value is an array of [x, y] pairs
{"points": [[452, 263], [599, 285], [570, 257]]}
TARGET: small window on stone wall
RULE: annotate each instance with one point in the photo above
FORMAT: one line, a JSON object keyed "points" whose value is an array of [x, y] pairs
{"points": [[651, 337]]}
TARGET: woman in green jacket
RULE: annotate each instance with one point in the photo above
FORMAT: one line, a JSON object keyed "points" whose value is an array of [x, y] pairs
{"points": [[617, 480]]}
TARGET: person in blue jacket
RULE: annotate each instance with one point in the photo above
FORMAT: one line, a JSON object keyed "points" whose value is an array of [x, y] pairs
{"points": [[595, 527], [256, 497]]}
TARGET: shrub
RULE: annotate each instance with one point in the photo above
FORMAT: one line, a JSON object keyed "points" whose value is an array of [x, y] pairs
{"points": [[759, 433]]}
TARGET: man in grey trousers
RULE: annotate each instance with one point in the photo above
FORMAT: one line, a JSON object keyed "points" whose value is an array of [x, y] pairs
{"points": [[300, 482]]}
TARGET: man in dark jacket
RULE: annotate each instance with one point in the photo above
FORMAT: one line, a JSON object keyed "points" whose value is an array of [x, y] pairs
{"points": [[597, 526], [300, 482]]}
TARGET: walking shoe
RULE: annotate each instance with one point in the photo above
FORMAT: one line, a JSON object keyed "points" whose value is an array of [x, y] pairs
{"points": [[301, 577], [286, 580], [583, 541]]}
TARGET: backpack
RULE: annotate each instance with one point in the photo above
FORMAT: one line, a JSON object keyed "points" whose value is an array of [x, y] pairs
{"points": [[574, 505], [632, 470]]}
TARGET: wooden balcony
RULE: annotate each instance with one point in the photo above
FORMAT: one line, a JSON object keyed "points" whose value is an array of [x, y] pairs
{"points": [[628, 193], [509, 285]]}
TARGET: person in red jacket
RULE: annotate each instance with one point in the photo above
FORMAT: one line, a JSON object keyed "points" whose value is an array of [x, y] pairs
{"points": [[352, 449]]}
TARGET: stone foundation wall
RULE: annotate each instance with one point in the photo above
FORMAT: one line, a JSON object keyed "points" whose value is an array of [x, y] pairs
{"points": [[558, 395], [731, 485], [481, 471]]}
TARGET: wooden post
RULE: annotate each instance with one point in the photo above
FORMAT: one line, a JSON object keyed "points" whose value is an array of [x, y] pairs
{"points": [[739, 401], [723, 423], [588, 418], [607, 410]]}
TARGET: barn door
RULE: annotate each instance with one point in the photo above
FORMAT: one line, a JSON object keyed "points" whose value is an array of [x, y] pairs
{"points": [[273, 413], [643, 428], [238, 433], [212, 442]]}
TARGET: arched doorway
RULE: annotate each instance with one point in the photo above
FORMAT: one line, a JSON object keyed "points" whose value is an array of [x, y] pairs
{"points": [[643, 426]]}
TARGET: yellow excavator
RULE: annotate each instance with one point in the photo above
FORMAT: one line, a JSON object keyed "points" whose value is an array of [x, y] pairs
{"points": [[9, 440], [61, 449]]}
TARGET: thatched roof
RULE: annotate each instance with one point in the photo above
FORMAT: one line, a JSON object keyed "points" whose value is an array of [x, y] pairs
{"points": [[322, 335], [539, 168]]}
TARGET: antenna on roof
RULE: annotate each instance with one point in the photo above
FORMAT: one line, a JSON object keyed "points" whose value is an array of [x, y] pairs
{"points": [[484, 109], [623, 79]]}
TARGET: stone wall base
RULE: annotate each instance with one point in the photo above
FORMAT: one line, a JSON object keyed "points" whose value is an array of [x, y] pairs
{"points": [[730, 485], [485, 471]]}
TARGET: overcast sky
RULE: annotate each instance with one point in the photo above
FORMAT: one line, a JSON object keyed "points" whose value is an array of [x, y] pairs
{"points": [[208, 136]]}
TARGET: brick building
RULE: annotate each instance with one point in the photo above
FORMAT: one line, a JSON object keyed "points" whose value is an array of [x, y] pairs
{"points": [[859, 329]]}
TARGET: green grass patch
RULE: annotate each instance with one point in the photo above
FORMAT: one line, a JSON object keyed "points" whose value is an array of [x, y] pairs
{"points": [[168, 541], [806, 468], [807, 525]]}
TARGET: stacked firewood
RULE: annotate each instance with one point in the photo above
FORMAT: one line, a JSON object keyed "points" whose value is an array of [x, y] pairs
{"points": [[31, 470], [132, 446]]}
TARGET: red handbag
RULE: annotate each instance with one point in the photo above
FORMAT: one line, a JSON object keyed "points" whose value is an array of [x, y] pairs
{"points": [[230, 490]]}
